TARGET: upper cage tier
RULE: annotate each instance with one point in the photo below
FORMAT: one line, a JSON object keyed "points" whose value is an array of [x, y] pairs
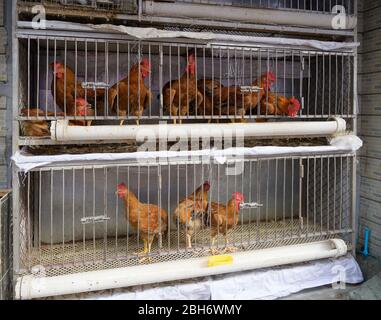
{"points": [[109, 78]]}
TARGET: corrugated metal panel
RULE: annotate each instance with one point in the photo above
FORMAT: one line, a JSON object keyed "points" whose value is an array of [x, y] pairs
{"points": [[370, 126], [370, 83], [360, 22], [370, 104], [360, 37], [371, 189], [370, 62], [372, 147], [370, 168], [371, 40], [370, 4], [372, 18], [370, 210], [360, 6]]}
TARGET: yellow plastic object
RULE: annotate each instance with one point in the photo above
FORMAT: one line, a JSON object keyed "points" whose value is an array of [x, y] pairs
{"points": [[221, 260]]}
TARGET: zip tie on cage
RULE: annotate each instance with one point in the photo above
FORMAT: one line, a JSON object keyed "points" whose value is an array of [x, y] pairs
{"points": [[97, 219], [251, 89], [250, 205], [95, 85]]}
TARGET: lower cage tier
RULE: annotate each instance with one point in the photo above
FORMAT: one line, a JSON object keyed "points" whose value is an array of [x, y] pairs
{"points": [[110, 253], [77, 218]]}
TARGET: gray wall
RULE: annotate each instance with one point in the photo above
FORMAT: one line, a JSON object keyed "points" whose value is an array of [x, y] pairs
{"points": [[5, 93], [370, 122]]}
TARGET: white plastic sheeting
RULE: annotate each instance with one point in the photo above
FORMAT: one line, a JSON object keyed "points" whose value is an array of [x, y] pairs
{"points": [[26, 162], [209, 37], [206, 37], [264, 284]]}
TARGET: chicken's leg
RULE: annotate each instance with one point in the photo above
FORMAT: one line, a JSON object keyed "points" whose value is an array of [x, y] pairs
{"points": [[213, 250], [121, 122], [229, 248], [189, 241], [146, 251]]}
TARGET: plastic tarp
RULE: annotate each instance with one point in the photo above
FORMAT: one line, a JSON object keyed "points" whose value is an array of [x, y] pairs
{"points": [[26, 162], [262, 284], [155, 34]]}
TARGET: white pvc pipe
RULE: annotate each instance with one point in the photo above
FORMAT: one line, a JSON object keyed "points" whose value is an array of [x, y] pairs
{"points": [[61, 131], [31, 286], [249, 15]]}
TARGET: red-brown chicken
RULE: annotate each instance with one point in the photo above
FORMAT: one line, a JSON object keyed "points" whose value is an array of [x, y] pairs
{"points": [[82, 109], [209, 90], [179, 95], [130, 96], [224, 218], [274, 104], [149, 219], [36, 128], [233, 101], [190, 212], [66, 88]]}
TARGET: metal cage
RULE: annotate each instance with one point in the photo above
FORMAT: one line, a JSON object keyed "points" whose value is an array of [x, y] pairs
{"points": [[321, 82], [6, 256], [125, 6], [71, 219], [322, 6]]}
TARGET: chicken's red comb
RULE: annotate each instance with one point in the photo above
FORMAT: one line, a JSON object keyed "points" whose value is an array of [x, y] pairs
{"points": [[81, 101], [206, 185], [55, 63], [145, 62], [293, 107], [238, 196], [295, 102], [122, 187], [270, 76]]}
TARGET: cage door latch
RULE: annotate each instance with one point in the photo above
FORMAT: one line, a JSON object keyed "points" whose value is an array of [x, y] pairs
{"points": [[251, 205], [95, 219]]}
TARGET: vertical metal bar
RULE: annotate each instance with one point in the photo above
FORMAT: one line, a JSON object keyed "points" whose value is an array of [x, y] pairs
{"points": [[284, 198], [29, 224], [73, 214], [127, 210], [105, 212], [51, 216], [301, 176], [47, 78], [275, 197], [328, 194], [63, 216], [116, 214], [84, 215], [28, 88], [39, 216]]}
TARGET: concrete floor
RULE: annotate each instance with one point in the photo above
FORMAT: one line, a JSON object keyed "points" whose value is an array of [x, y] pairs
{"points": [[322, 293]]}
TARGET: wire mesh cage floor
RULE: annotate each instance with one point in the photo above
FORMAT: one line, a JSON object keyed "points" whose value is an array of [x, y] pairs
{"points": [[100, 254]]}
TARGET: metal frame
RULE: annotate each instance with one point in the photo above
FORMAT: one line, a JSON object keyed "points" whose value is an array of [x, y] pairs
{"points": [[17, 142], [6, 252], [153, 20]]}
